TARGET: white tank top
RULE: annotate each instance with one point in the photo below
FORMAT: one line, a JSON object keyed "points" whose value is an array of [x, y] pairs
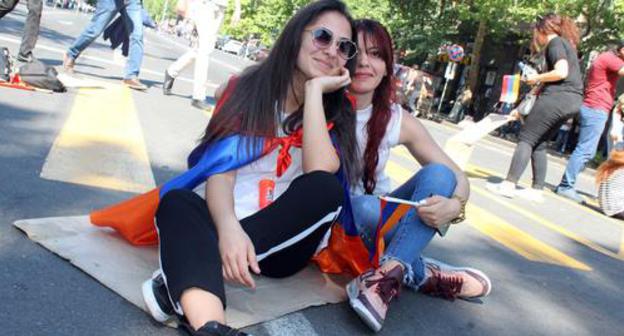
{"points": [[390, 139]]}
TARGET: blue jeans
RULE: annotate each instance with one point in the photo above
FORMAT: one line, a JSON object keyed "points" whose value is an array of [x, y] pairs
{"points": [[592, 124], [105, 11], [406, 241]]}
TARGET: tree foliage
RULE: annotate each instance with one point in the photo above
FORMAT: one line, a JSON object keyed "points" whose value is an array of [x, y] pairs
{"points": [[421, 26]]}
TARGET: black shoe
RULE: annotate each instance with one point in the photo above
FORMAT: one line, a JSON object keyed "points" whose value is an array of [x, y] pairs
{"points": [[213, 328], [156, 298], [25, 59], [167, 84], [201, 104]]}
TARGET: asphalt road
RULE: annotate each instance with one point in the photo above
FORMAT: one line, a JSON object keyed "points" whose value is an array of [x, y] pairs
{"points": [[556, 267]]}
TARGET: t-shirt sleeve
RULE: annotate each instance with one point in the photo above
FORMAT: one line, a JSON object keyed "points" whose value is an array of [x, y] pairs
{"points": [[556, 51], [615, 63]]}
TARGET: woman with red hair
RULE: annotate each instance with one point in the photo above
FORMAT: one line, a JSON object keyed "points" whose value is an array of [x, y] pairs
{"points": [[610, 180], [560, 98], [440, 183]]}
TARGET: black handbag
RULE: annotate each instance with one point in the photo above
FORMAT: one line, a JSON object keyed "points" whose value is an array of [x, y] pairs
{"points": [[41, 76]]}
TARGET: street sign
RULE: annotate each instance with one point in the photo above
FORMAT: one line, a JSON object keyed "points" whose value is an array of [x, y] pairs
{"points": [[456, 53], [451, 68]]}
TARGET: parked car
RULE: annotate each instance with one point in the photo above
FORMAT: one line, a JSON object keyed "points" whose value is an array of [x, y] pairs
{"points": [[233, 47], [221, 41]]}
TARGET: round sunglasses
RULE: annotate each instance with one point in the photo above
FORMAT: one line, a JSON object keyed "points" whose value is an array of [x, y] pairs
{"points": [[323, 38]]}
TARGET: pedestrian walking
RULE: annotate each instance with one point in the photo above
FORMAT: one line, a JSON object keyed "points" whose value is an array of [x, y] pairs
{"points": [[206, 16], [560, 98], [602, 79], [105, 11], [31, 26]]}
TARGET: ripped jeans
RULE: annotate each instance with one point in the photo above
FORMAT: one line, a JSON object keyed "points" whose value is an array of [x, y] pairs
{"points": [[406, 241]]}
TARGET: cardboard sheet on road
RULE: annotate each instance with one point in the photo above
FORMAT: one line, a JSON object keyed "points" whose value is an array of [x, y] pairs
{"points": [[460, 146], [104, 255]]}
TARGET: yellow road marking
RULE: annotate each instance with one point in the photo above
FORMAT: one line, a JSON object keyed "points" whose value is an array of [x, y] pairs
{"points": [[476, 171], [518, 240], [501, 231], [545, 223], [101, 143], [480, 170]]}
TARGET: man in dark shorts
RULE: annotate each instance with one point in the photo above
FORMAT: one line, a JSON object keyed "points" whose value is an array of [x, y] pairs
{"points": [[599, 96]]}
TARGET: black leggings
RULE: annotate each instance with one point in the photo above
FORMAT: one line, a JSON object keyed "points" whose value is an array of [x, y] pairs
{"points": [[285, 234], [545, 119]]}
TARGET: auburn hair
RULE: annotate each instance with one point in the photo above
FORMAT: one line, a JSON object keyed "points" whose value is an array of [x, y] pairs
{"points": [[555, 24], [615, 162], [375, 33]]}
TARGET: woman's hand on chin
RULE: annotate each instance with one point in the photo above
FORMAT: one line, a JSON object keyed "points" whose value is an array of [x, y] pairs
{"points": [[330, 83]]}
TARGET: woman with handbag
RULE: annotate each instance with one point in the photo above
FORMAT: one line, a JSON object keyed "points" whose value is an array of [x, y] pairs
{"points": [[560, 97]]}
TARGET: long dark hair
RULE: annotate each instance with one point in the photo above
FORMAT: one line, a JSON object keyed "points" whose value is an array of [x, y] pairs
{"points": [[552, 23], [260, 92], [382, 99]]}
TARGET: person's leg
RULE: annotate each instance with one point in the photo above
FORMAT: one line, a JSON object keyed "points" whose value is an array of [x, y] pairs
{"points": [[182, 63], [547, 115], [539, 164], [189, 257], [207, 29], [105, 10], [592, 124], [6, 6], [411, 235], [298, 221], [539, 159], [135, 26], [175, 68], [31, 29], [519, 162]]}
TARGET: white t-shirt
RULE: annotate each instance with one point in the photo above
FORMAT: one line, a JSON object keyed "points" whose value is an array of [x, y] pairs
{"points": [[390, 139], [246, 188]]}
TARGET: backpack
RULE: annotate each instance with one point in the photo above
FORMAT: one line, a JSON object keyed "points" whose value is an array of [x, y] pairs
{"points": [[41, 76], [5, 65]]}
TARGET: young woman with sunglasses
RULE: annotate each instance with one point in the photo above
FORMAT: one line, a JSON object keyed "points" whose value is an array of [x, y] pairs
{"points": [[300, 86], [442, 186]]}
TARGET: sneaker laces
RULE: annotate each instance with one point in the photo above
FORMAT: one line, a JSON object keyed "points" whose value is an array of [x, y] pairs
{"points": [[388, 286], [445, 286]]}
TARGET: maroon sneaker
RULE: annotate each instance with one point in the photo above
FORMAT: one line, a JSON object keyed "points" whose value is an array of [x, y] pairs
{"points": [[371, 293], [452, 282]]}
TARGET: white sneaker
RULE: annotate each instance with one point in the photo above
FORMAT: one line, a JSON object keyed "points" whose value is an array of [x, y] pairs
{"points": [[505, 188], [531, 194]]}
